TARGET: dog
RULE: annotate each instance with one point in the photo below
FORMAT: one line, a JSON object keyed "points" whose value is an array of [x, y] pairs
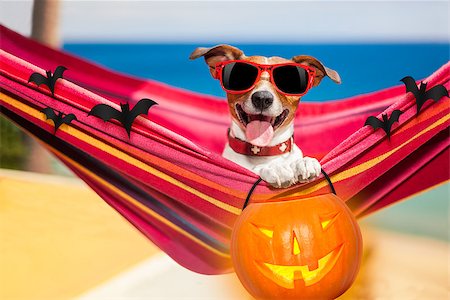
{"points": [[263, 94]]}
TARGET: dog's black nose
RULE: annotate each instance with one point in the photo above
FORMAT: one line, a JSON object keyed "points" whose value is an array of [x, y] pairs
{"points": [[262, 99]]}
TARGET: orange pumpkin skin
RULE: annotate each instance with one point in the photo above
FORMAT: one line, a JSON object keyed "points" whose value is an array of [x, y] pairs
{"points": [[273, 244]]}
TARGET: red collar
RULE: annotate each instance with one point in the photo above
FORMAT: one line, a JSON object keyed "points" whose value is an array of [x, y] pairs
{"points": [[246, 148]]}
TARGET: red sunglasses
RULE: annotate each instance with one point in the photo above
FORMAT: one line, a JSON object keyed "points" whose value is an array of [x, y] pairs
{"points": [[238, 76]]}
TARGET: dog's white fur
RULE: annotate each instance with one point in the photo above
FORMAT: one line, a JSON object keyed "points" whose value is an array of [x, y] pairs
{"points": [[279, 170]]}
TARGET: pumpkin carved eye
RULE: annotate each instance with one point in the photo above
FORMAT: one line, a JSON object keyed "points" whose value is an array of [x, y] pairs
{"points": [[265, 230], [326, 221]]}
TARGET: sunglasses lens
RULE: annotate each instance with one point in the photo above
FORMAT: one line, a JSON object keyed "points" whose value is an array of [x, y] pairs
{"points": [[291, 79], [238, 76]]}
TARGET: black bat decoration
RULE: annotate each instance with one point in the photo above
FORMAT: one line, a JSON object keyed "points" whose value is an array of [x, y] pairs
{"points": [[50, 80], [386, 123], [58, 119], [126, 116], [421, 93]]}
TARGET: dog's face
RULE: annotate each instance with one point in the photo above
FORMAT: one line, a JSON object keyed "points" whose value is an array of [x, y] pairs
{"points": [[263, 110], [264, 101]]}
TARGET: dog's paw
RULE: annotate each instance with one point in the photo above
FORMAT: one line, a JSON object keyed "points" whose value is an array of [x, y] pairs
{"points": [[283, 175], [306, 169], [278, 175]]}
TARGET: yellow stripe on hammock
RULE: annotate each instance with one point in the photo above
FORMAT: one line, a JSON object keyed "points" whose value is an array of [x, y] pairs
{"points": [[123, 156], [346, 174]]}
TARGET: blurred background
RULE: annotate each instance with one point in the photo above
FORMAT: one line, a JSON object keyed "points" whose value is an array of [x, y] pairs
{"points": [[372, 44]]}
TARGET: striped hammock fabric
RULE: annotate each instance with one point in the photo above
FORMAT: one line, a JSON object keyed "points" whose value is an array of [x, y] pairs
{"points": [[169, 180]]}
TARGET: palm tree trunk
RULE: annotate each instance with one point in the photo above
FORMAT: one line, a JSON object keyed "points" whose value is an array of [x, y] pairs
{"points": [[45, 26], [45, 29]]}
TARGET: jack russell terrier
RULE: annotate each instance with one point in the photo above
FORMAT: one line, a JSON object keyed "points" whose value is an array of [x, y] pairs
{"points": [[263, 94]]}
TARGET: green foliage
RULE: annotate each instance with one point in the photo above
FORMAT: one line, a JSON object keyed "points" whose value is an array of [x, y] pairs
{"points": [[12, 145]]}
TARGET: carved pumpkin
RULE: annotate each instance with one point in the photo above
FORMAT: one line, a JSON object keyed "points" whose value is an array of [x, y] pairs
{"points": [[301, 249]]}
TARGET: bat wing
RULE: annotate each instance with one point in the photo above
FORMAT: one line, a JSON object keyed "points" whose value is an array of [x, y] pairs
{"points": [[374, 122], [436, 92], [141, 107], [395, 115], [38, 79], [69, 118], [50, 113], [59, 72], [105, 112], [410, 84]]}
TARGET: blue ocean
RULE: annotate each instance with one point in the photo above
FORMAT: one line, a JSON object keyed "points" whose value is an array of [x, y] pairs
{"points": [[363, 69]]}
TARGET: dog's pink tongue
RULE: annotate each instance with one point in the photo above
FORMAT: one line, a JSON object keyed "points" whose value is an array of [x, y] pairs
{"points": [[259, 133]]}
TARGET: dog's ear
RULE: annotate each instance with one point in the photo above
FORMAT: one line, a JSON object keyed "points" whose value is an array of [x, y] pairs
{"points": [[321, 70], [217, 54]]}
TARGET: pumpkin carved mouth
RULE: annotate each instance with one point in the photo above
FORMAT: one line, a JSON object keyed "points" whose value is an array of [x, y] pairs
{"points": [[286, 275]]}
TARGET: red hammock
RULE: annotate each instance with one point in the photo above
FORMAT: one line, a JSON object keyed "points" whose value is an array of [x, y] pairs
{"points": [[169, 179]]}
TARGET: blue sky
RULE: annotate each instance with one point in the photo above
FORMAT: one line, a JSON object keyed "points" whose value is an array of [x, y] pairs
{"points": [[250, 21]]}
